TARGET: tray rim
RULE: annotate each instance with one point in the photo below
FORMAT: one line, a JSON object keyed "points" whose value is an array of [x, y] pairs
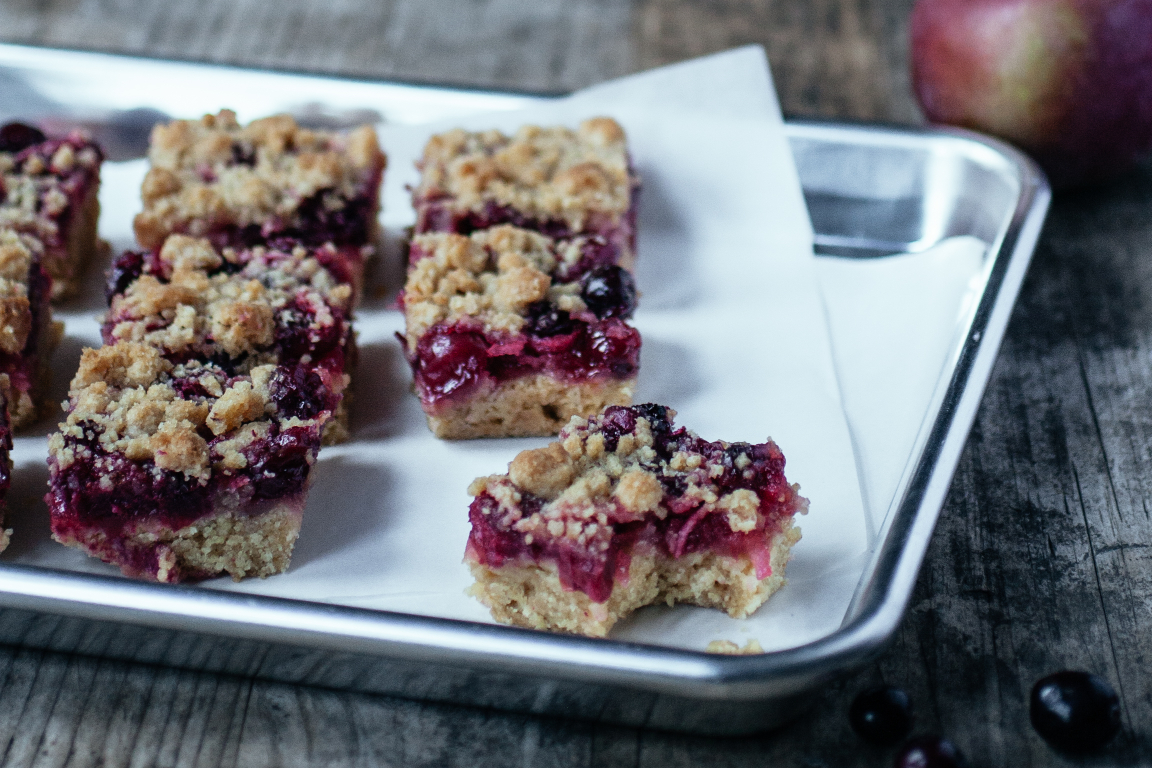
{"points": [[872, 618]]}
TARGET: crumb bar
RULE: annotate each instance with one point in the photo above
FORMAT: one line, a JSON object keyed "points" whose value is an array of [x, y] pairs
{"points": [[557, 181], [257, 183], [51, 192], [240, 309], [27, 332], [183, 471], [628, 510], [511, 333]]}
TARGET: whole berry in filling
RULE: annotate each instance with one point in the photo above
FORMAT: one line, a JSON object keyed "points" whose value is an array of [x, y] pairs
{"points": [[881, 715], [1075, 711], [239, 309], [124, 270], [629, 480], [545, 319]]}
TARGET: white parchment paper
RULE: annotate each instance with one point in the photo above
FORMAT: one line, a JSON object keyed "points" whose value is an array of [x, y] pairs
{"points": [[735, 339]]}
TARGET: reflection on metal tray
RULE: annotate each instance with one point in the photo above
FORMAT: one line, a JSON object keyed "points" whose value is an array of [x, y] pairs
{"points": [[871, 192]]}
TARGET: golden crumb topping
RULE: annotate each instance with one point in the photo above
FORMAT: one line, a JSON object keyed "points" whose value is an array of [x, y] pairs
{"points": [[587, 485], [200, 309], [215, 172], [490, 276], [548, 173], [127, 399]]}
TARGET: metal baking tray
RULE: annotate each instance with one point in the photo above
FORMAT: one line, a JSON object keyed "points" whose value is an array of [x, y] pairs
{"points": [[871, 191]]}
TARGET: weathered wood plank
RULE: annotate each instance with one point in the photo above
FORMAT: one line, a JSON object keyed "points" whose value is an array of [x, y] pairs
{"points": [[548, 45]]}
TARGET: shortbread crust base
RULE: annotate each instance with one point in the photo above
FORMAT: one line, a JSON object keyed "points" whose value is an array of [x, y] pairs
{"points": [[531, 595], [529, 406], [237, 544]]}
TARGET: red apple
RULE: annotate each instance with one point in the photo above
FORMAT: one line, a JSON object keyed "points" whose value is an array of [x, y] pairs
{"points": [[1069, 81]]}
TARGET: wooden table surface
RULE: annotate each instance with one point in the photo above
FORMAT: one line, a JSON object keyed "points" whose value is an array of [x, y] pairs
{"points": [[1042, 559]]}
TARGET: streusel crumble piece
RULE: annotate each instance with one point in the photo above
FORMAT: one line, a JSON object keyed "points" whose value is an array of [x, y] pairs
{"points": [[626, 510], [556, 181], [511, 333], [50, 191], [253, 184], [178, 471]]}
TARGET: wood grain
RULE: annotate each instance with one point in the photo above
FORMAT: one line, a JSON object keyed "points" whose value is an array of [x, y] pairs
{"points": [[1041, 560], [841, 59]]}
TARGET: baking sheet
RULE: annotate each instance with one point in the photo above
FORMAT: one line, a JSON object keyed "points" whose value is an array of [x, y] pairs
{"points": [[735, 339]]}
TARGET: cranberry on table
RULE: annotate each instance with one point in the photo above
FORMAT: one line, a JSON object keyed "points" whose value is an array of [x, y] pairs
{"points": [[881, 716], [930, 752], [1075, 711]]}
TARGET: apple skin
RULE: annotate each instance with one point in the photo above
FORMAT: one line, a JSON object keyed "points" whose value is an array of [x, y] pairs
{"points": [[1068, 81]]}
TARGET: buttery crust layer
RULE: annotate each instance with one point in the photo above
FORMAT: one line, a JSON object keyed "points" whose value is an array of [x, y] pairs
{"points": [[532, 595]]}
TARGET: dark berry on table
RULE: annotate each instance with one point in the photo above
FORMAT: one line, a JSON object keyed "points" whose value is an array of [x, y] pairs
{"points": [[930, 752], [609, 291], [17, 136], [881, 716], [1075, 711]]}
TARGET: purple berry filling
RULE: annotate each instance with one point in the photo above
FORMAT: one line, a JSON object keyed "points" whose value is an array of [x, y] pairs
{"points": [[23, 368], [452, 362], [321, 218]]}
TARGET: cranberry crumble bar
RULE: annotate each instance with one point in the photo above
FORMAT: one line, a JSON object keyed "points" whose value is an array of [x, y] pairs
{"points": [[240, 309], [627, 510], [183, 470], [556, 181], [5, 468], [248, 185], [50, 191], [511, 333], [27, 332]]}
